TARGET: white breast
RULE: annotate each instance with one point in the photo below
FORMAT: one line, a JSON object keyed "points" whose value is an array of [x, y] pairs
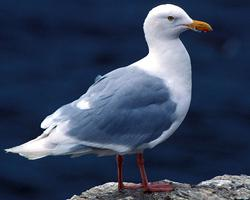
{"points": [[174, 68]]}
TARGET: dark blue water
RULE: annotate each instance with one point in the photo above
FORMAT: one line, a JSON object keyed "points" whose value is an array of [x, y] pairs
{"points": [[51, 51]]}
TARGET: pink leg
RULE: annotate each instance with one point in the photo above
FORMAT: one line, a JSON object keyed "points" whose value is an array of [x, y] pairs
{"points": [[132, 186], [140, 163], [119, 161], [150, 187]]}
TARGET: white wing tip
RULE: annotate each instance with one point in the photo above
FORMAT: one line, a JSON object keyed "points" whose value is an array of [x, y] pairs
{"points": [[7, 150], [44, 124], [47, 122], [30, 156], [17, 149], [11, 150]]}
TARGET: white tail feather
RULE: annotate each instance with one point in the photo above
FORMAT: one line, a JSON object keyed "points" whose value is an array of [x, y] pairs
{"points": [[32, 150], [49, 144]]}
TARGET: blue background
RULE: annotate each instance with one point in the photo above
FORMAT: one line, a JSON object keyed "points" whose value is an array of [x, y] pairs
{"points": [[50, 53]]}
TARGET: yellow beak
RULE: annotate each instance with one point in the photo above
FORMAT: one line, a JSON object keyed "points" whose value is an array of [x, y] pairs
{"points": [[199, 26]]}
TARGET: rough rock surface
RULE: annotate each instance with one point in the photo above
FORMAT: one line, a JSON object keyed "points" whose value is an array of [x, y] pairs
{"points": [[221, 187]]}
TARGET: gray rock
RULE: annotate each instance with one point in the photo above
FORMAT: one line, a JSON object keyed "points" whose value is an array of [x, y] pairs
{"points": [[219, 188]]}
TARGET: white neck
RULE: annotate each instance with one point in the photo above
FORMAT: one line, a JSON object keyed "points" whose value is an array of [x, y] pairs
{"points": [[170, 61]]}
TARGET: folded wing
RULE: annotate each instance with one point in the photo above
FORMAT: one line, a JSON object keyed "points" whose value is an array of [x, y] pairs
{"points": [[121, 112]]}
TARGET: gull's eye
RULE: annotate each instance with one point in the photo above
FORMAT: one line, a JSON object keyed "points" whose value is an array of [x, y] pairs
{"points": [[170, 18]]}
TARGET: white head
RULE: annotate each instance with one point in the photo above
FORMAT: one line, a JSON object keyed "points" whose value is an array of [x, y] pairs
{"points": [[168, 22]]}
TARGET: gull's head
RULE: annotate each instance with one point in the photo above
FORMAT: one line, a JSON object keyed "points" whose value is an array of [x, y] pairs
{"points": [[169, 21]]}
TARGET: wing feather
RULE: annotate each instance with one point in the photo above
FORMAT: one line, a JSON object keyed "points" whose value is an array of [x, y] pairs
{"points": [[128, 108]]}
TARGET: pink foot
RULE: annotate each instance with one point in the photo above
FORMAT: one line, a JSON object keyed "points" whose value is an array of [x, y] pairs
{"points": [[159, 187], [151, 187], [131, 186]]}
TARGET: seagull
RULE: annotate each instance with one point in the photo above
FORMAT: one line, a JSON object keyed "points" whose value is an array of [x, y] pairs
{"points": [[130, 109]]}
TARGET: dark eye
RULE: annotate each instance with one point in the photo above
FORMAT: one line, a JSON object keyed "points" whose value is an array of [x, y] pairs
{"points": [[170, 18]]}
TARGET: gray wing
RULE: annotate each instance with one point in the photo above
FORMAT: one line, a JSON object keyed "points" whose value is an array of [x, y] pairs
{"points": [[127, 108]]}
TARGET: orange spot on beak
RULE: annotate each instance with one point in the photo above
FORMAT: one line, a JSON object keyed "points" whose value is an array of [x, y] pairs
{"points": [[199, 26]]}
